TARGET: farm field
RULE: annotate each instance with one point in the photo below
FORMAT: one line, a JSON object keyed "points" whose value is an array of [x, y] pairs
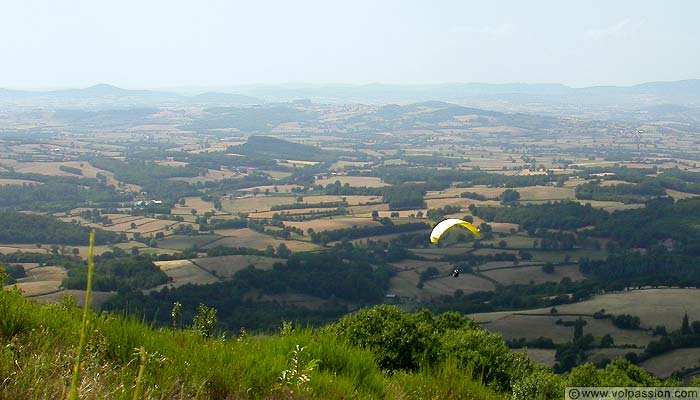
{"points": [[18, 182], [665, 364], [255, 204], [320, 225], [529, 326], [54, 169], [523, 275], [272, 189], [193, 203], [446, 285], [299, 211], [212, 175], [512, 241], [249, 238], [624, 303], [182, 272], [541, 356], [41, 280], [226, 266], [357, 181], [97, 299], [182, 242]]}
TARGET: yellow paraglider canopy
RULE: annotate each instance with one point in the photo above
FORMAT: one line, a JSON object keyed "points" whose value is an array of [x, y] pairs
{"points": [[441, 229]]}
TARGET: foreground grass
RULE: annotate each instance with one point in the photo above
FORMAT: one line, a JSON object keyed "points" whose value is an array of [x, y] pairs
{"points": [[38, 349]]}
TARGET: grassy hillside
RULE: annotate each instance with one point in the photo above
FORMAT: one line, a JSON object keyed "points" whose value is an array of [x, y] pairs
{"points": [[377, 353]]}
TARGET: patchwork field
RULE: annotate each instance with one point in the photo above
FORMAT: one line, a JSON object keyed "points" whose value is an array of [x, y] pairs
{"points": [[193, 203], [447, 285], [41, 280], [527, 274], [320, 225], [18, 182], [356, 181], [182, 272], [249, 238], [54, 169], [97, 299], [528, 326], [299, 211], [665, 364], [182, 242], [653, 306], [226, 266], [255, 204], [212, 175], [541, 356]]}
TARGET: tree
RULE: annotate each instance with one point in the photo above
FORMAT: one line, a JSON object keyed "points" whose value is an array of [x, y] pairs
{"points": [[375, 214], [578, 329], [685, 327], [283, 251], [509, 196], [606, 341], [661, 330], [696, 327], [548, 268]]}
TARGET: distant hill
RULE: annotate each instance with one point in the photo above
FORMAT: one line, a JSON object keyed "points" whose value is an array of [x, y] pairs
{"points": [[510, 97], [105, 95], [211, 98], [282, 149]]}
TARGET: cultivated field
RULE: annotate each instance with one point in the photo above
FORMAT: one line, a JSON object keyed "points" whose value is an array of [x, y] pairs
{"points": [[18, 182], [193, 203], [41, 280], [249, 238], [653, 306], [320, 225], [226, 266], [255, 204], [447, 285], [516, 326], [182, 272], [97, 298], [533, 274], [665, 364], [356, 181], [212, 175], [182, 242]]}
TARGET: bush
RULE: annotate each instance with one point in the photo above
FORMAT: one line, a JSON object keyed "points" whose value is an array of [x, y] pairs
{"points": [[540, 385]]}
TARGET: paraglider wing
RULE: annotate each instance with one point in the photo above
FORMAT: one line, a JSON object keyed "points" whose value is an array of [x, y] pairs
{"points": [[441, 229]]}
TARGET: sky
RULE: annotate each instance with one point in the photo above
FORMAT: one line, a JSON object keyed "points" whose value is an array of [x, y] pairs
{"points": [[212, 43]]}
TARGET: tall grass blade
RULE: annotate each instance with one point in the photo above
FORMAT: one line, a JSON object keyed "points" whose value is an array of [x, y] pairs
{"points": [[73, 394], [139, 377]]}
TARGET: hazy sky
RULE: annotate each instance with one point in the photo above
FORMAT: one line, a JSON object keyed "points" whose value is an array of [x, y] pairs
{"points": [[173, 43]]}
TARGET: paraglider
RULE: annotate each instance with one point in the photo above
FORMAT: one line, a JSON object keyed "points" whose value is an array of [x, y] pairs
{"points": [[443, 227]]}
